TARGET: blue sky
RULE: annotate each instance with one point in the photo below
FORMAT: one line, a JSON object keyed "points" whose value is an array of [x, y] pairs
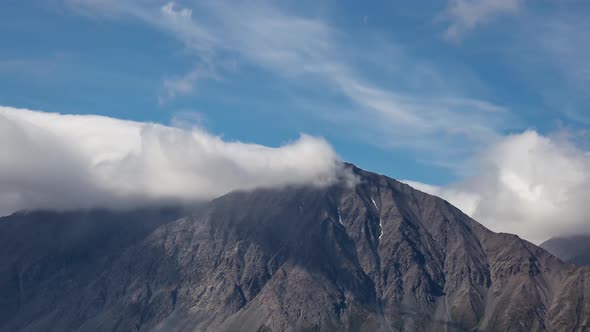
{"points": [[414, 91]]}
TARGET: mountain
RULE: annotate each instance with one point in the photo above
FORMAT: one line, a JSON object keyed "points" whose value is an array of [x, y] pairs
{"points": [[572, 249], [376, 256]]}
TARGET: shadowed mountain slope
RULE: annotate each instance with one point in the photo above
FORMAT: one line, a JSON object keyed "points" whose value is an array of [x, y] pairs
{"points": [[572, 249]]}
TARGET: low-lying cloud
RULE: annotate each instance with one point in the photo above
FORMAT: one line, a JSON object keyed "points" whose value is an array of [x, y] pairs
{"points": [[528, 184], [50, 160]]}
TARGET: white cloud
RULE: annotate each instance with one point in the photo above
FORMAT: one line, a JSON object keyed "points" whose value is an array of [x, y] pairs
{"points": [[531, 185], [49, 160], [466, 15]]}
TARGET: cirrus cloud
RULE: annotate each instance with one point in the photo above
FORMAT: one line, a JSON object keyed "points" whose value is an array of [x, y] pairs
{"points": [[421, 107], [466, 15]]}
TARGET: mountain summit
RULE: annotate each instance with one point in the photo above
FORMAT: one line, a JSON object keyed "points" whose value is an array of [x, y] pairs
{"points": [[375, 256]]}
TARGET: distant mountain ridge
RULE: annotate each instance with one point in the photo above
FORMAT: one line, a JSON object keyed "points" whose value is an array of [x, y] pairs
{"points": [[377, 256], [572, 249]]}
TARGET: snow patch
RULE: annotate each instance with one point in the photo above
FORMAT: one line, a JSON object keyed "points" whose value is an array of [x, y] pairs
{"points": [[380, 223], [374, 204], [340, 218]]}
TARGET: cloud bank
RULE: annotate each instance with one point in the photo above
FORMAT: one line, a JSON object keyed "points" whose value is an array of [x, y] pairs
{"points": [[528, 184], [50, 160]]}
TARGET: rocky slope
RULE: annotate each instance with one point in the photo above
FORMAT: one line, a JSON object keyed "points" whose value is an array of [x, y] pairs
{"points": [[571, 249], [46, 256], [378, 256]]}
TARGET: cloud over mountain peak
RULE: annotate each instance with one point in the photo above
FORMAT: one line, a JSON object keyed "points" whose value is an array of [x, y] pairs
{"points": [[50, 160]]}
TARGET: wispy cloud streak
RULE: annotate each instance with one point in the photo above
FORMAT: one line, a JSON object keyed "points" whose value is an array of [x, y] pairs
{"points": [[464, 16], [308, 51]]}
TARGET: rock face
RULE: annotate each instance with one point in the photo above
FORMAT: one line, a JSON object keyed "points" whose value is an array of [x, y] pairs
{"points": [[46, 257], [379, 256], [572, 249]]}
